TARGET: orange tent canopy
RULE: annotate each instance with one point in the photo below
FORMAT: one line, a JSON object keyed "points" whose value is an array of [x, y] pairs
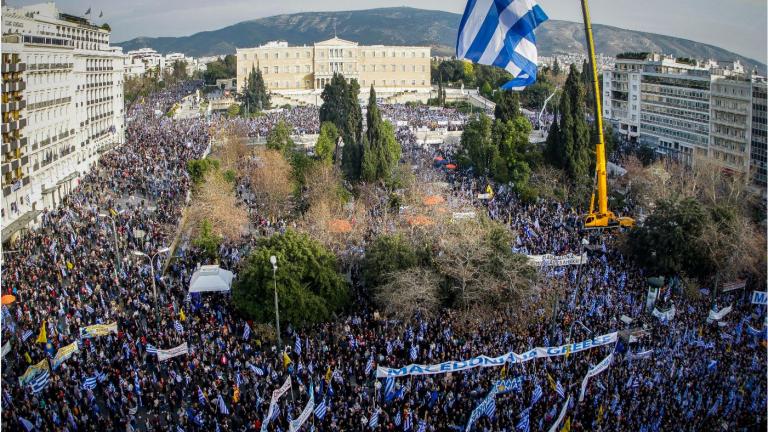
{"points": [[338, 226], [420, 220], [451, 166], [7, 299], [433, 200], [438, 158]]}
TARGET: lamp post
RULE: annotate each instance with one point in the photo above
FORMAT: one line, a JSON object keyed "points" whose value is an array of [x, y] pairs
{"points": [[152, 272], [114, 236], [273, 260]]}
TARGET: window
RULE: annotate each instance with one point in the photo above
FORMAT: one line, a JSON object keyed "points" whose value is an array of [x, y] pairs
{"points": [[277, 55], [275, 69]]}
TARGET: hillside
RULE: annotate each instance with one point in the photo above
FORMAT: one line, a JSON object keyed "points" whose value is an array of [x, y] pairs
{"points": [[409, 26]]}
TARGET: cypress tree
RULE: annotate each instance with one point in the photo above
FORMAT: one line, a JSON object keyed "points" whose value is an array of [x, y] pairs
{"points": [[381, 152]]}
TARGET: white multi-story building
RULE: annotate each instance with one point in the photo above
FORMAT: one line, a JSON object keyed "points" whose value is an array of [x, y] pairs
{"points": [[684, 108], [71, 97]]}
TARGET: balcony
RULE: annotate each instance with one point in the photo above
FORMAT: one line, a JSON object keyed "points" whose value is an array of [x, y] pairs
{"points": [[14, 86], [14, 106], [14, 125], [14, 67], [14, 144]]}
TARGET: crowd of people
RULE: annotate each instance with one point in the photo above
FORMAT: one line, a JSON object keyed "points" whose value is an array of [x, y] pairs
{"points": [[678, 373]]}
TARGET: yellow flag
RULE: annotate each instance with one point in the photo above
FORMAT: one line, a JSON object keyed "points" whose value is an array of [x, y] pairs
{"points": [[29, 359], [182, 317], [488, 190], [551, 382], [114, 213], [567, 351], [600, 414], [504, 371], [328, 375], [236, 395], [70, 266], [286, 359], [567, 425], [43, 336]]}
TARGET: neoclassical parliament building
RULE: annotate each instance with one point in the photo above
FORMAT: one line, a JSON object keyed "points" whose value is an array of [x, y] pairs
{"points": [[302, 71]]}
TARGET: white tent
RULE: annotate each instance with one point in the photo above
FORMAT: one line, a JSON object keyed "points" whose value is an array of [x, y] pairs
{"points": [[211, 278]]}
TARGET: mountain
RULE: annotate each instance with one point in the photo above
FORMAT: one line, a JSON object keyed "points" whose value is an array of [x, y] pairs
{"points": [[409, 26]]}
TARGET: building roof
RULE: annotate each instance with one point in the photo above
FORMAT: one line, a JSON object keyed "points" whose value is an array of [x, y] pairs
{"points": [[335, 41]]}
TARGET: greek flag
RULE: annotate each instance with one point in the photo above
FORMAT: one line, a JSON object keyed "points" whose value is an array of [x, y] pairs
{"points": [[26, 335], [40, 382], [177, 325], [246, 331], [374, 421], [559, 389], [414, 352], [537, 394], [88, 309], [407, 424], [151, 349], [369, 366], [389, 385], [222, 406], [297, 346], [321, 409], [490, 409], [201, 397], [422, 426], [101, 376], [525, 422], [398, 419], [500, 33], [90, 383], [257, 370]]}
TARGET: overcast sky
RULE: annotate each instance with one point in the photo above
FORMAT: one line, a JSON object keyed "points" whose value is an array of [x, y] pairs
{"points": [[736, 25]]}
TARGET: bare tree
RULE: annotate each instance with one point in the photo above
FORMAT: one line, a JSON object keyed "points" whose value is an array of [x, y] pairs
{"points": [[215, 201], [410, 291], [270, 179], [232, 148]]}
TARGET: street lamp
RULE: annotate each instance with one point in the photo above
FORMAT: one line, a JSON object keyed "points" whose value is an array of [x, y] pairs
{"points": [[273, 260], [152, 272], [114, 234]]}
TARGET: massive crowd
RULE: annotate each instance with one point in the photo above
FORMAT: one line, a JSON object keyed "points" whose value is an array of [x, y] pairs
{"points": [[681, 373]]}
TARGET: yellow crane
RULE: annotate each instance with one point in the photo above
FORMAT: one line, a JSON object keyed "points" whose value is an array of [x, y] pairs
{"points": [[601, 217]]}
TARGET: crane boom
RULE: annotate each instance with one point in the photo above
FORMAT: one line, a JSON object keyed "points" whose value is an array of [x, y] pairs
{"points": [[602, 216]]}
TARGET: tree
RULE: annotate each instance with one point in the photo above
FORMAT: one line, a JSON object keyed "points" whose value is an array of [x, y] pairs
{"points": [[468, 69], [411, 291], [556, 68], [106, 27], [507, 105], [220, 68], [668, 242], [214, 201], [486, 90], [569, 147], [387, 254], [341, 107], [381, 151], [477, 148], [199, 168], [180, 70], [207, 241], [309, 287], [326, 142], [270, 179], [279, 138], [255, 97], [233, 110], [512, 163]]}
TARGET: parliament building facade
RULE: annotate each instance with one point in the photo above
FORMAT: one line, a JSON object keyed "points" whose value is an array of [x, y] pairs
{"points": [[306, 69]]}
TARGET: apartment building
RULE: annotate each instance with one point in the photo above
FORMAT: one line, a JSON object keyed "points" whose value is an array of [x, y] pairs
{"points": [[759, 133], [293, 69], [72, 103], [684, 108]]}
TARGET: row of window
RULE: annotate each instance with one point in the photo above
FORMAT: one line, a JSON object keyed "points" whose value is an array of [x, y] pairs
{"points": [[339, 67], [334, 53]]}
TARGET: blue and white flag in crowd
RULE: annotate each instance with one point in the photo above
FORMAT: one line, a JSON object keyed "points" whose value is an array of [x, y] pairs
{"points": [[297, 345], [389, 385], [422, 426], [222, 406], [177, 325], [40, 382], [500, 33], [414, 352], [559, 389], [26, 335], [398, 419], [374, 421], [408, 423], [525, 422], [90, 383], [321, 409], [151, 349], [257, 370], [246, 331], [201, 397], [369, 366], [537, 394]]}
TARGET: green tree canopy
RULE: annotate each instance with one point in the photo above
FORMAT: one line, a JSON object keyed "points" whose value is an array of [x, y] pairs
{"points": [[477, 147], [220, 68], [507, 105], [255, 97], [381, 151], [279, 138], [514, 150], [326, 142], [387, 254], [309, 287], [198, 168]]}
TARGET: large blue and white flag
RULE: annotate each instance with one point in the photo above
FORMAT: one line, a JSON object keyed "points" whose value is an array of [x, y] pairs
{"points": [[500, 33]]}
